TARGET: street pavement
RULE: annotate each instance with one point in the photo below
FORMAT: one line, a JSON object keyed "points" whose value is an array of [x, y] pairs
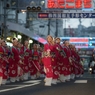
{"points": [[79, 86]]}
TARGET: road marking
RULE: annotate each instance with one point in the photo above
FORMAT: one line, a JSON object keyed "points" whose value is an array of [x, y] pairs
{"points": [[32, 81], [12, 85], [80, 81], [19, 87]]}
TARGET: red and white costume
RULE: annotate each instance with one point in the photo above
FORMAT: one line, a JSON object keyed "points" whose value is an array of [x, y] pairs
{"points": [[79, 68], [13, 64], [20, 66], [47, 60], [35, 64], [42, 72], [67, 64], [55, 64], [4, 64], [26, 62], [60, 61], [73, 55]]}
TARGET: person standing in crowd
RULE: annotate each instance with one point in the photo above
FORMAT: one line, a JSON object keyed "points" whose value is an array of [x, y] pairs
{"points": [[67, 61], [73, 61], [59, 61], [47, 60], [27, 53], [35, 62], [20, 66], [78, 68], [5, 61], [54, 64], [42, 72], [13, 67], [81, 70], [61, 55]]}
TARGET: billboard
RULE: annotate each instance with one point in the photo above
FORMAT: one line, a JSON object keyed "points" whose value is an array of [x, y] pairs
{"points": [[80, 42], [66, 15]]}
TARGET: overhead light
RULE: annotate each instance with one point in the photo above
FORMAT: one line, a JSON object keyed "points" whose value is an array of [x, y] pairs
{"points": [[42, 2], [23, 11], [90, 38], [8, 38], [30, 41], [19, 36]]}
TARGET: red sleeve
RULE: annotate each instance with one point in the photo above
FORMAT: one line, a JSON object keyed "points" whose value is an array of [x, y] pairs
{"points": [[30, 53], [78, 57], [73, 54], [1, 50], [46, 47], [16, 55], [22, 48], [67, 52]]}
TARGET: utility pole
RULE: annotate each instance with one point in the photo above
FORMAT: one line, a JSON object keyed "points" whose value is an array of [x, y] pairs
{"points": [[56, 33], [49, 26], [4, 24], [27, 19], [80, 21], [80, 27], [16, 11]]}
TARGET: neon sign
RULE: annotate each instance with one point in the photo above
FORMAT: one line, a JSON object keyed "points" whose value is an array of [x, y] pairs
{"points": [[78, 40], [69, 4]]}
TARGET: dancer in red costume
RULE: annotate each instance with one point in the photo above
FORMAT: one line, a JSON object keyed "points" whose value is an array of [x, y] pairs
{"points": [[60, 59], [67, 61], [35, 62], [47, 60], [77, 67], [73, 61], [20, 66], [42, 72], [13, 65], [55, 60], [80, 67], [5, 62], [27, 54]]}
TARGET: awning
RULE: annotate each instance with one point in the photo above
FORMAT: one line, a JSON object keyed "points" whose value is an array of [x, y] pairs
{"points": [[23, 30]]}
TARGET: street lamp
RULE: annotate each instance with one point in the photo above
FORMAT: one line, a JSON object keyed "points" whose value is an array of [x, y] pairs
{"points": [[23, 11], [19, 36], [8, 38], [91, 38], [30, 41]]}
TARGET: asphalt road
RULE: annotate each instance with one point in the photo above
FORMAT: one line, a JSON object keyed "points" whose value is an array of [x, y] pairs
{"points": [[79, 86]]}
